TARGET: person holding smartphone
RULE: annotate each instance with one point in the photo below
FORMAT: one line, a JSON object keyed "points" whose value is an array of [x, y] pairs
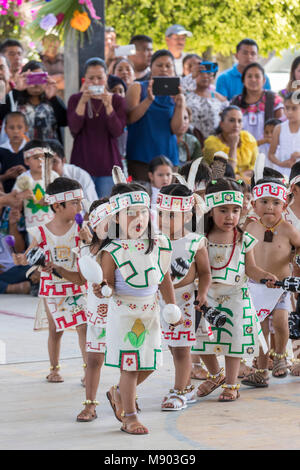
{"points": [[153, 121], [96, 119], [35, 97]]}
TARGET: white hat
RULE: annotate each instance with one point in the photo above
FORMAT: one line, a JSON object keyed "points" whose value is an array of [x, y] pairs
{"points": [[178, 29]]}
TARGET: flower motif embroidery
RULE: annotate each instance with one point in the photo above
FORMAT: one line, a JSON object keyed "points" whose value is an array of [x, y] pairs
{"points": [[119, 302], [218, 350], [129, 361], [187, 323], [132, 306], [145, 307], [102, 310], [125, 246], [250, 350], [249, 329], [186, 296], [140, 246]]}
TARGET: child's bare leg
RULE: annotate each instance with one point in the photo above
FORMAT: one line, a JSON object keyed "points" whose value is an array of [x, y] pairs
{"points": [[263, 359], [128, 384], [232, 366], [295, 369], [54, 342], [281, 327], [92, 378], [215, 376], [81, 331], [183, 365]]}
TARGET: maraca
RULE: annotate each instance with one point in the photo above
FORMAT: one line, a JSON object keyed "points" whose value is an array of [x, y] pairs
{"points": [[290, 283], [79, 219], [10, 241], [171, 313], [36, 257], [92, 272]]}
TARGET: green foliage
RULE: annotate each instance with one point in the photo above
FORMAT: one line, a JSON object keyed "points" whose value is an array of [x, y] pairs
{"points": [[274, 24], [9, 25]]}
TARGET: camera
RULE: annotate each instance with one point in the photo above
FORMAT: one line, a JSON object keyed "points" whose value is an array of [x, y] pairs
{"points": [[37, 78], [97, 89]]}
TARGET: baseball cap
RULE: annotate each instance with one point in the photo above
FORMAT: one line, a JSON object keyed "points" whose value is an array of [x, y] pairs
{"points": [[178, 29]]}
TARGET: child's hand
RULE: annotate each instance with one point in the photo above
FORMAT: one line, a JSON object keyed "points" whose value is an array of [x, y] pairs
{"points": [[271, 280], [14, 216], [97, 290], [202, 300], [85, 234], [27, 194], [19, 259]]}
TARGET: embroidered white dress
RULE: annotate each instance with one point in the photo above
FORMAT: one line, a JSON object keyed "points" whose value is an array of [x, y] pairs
{"points": [[133, 334], [229, 293]]}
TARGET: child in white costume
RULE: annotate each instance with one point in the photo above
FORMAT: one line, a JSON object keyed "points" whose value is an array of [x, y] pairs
{"points": [[65, 302], [97, 309], [176, 205], [134, 265], [231, 260]]}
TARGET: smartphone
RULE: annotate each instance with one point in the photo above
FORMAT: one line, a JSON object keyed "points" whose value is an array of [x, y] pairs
{"points": [[37, 78], [166, 86], [125, 50], [96, 89], [211, 67]]}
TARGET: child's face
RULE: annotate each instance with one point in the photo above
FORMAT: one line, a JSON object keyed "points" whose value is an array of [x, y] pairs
{"points": [[246, 202], [269, 209], [57, 164], [186, 123], [172, 224], [162, 176], [268, 131], [226, 217], [292, 111], [101, 229], [133, 222], [15, 129], [35, 162], [70, 209], [118, 90]]}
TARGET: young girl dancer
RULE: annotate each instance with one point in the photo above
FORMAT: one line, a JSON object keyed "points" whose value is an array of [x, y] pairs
{"points": [[232, 261], [134, 265], [176, 205]]}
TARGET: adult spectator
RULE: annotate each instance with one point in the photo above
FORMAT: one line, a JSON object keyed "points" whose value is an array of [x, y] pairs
{"points": [[123, 69], [294, 78], [142, 59], [175, 38], [110, 42], [5, 84], [205, 105], [257, 105], [96, 121], [71, 171], [14, 52], [45, 112], [239, 145], [153, 120], [229, 83], [53, 61]]}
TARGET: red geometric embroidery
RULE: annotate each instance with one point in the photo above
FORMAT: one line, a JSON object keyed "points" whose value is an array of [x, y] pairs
{"points": [[172, 335], [62, 323]]}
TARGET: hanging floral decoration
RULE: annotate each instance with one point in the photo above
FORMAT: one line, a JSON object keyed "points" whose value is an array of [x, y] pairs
{"points": [[11, 18], [62, 16]]}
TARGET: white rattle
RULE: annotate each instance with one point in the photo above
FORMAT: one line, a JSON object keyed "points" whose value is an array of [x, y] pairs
{"points": [[171, 313], [92, 272]]}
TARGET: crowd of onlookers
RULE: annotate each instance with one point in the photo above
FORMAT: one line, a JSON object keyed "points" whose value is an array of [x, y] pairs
{"points": [[117, 119]]}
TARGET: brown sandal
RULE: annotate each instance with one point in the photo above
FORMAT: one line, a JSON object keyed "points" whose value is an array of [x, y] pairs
{"points": [[244, 370], [86, 415], [211, 383], [230, 393], [295, 367], [132, 428], [54, 376], [279, 363], [198, 372], [115, 404], [257, 379]]}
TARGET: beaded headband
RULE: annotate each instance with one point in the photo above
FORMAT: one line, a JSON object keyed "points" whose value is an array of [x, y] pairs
{"points": [[167, 202], [275, 190], [135, 198], [64, 197], [224, 197], [99, 214], [295, 180], [36, 151]]}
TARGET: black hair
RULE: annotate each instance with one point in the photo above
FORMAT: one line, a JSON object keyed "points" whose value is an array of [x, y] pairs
{"points": [[118, 61], [243, 103], [122, 188], [32, 144], [10, 43], [60, 185], [247, 42], [94, 61], [190, 56], [98, 202], [215, 186], [223, 114], [177, 189], [56, 147], [33, 65], [204, 172], [161, 53], [140, 38], [272, 122], [13, 114], [157, 161], [290, 97], [295, 171], [268, 173]]}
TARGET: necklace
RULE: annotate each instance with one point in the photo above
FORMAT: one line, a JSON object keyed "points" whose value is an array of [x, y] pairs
{"points": [[96, 110], [269, 233], [219, 258]]}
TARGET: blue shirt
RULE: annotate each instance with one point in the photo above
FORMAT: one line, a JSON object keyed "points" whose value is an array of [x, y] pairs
{"points": [[152, 135], [229, 83]]}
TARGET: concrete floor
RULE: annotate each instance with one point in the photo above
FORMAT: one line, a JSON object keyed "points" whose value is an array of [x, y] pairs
{"points": [[38, 415]]}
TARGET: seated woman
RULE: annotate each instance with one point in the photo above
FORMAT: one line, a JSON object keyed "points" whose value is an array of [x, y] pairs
{"points": [[45, 112], [153, 121], [239, 145], [205, 104], [257, 104], [96, 121]]}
